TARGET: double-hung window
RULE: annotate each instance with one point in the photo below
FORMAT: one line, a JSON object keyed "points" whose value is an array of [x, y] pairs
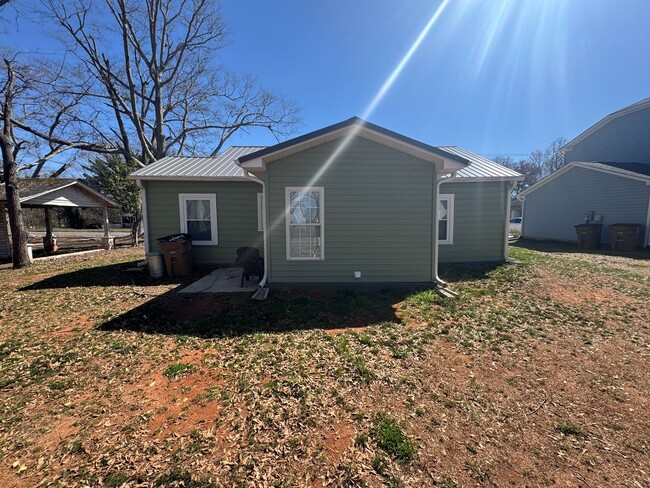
{"points": [[304, 218], [446, 219], [198, 213]]}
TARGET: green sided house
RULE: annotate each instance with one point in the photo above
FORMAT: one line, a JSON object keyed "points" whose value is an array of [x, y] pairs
{"points": [[352, 203]]}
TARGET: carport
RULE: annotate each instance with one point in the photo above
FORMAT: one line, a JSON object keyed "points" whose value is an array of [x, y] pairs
{"points": [[47, 193]]}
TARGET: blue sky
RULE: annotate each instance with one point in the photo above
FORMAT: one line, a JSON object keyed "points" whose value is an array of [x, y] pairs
{"points": [[495, 77]]}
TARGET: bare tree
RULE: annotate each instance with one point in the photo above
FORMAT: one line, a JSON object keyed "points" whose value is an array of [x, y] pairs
{"points": [[49, 120], [554, 159], [10, 172], [155, 79], [530, 169]]}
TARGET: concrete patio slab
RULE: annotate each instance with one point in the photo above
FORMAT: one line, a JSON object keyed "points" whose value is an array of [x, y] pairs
{"points": [[222, 280]]}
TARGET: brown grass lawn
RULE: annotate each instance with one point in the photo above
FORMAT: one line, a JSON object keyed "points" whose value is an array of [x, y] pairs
{"points": [[537, 375]]}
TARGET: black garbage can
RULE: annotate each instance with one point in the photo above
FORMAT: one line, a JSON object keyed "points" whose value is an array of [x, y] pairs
{"points": [[177, 251], [588, 235], [624, 237]]}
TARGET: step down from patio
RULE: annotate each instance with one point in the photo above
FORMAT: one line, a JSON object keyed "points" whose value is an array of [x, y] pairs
{"points": [[446, 292], [260, 294]]}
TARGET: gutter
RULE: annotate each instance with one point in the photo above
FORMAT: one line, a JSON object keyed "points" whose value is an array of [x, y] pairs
{"points": [[145, 214], [265, 233]]}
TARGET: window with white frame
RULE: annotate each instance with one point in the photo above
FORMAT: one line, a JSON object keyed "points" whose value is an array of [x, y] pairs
{"points": [[446, 219], [304, 219], [198, 213], [260, 212]]}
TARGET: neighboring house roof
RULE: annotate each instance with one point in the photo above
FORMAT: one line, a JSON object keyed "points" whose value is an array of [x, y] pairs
{"points": [[645, 103], [223, 166], [36, 191], [355, 126], [625, 170], [480, 167]]}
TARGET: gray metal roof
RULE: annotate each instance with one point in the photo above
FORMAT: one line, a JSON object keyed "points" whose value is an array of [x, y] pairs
{"points": [[221, 166], [480, 167], [224, 166]]}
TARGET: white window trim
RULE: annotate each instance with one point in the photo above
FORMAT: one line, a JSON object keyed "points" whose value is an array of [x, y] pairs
{"points": [[321, 204], [260, 212], [183, 198], [449, 197]]}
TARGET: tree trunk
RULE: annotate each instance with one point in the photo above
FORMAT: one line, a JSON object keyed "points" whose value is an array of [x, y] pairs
{"points": [[18, 232]]}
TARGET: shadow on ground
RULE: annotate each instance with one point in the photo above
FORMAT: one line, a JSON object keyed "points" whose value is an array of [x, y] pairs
{"points": [[567, 247], [235, 314], [453, 273], [111, 275]]}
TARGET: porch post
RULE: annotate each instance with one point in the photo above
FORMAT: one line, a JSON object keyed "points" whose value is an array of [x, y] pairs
{"points": [[49, 241], [108, 242]]}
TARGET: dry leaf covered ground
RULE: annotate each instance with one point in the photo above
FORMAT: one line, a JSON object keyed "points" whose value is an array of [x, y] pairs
{"points": [[537, 375]]}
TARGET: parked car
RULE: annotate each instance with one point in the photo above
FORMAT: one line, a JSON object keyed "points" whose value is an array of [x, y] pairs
{"points": [[515, 225]]}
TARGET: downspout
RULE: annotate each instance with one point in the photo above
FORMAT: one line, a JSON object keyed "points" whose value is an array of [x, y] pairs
{"points": [[436, 244], [145, 214], [248, 176], [511, 187]]}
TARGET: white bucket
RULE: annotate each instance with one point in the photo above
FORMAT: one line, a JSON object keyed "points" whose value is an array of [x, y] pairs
{"points": [[156, 264]]}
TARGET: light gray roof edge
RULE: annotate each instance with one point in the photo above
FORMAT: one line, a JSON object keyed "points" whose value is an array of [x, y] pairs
{"points": [[482, 168], [222, 166]]}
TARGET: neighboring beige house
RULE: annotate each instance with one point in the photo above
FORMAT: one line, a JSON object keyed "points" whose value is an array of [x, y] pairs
{"points": [[47, 193]]}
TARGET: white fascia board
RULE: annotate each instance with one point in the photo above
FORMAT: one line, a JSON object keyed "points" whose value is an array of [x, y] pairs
{"points": [[614, 171], [255, 165], [603, 168], [602, 122]]}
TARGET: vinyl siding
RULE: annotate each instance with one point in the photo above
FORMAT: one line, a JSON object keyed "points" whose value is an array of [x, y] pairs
{"points": [[479, 221], [551, 211], [236, 216], [625, 139], [377, 215]]}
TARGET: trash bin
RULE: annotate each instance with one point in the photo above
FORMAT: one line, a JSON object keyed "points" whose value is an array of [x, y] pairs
{"points": [[588, 235], [177, 251], [155, 264], [624, 237]]}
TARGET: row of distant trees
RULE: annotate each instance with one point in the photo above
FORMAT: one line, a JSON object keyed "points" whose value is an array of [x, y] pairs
{"points": [[122, 84], [538, 164]]}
